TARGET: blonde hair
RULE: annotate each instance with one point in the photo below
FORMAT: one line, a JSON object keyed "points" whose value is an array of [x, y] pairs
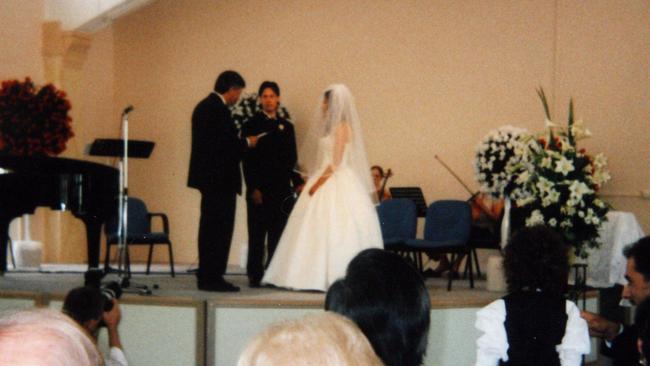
{"points": [[45, 337], [323, 339]]}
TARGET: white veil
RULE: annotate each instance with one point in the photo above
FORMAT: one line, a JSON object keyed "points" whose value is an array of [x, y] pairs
{"points": [[340, 109]]}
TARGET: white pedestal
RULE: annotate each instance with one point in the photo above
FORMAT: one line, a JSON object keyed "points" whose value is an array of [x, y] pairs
{"points": [[28, 254], [496, 280]]}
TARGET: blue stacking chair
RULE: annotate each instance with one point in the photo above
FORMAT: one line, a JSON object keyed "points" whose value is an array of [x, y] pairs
{"points": [[138, 233], [446, 231], [398, 220]]}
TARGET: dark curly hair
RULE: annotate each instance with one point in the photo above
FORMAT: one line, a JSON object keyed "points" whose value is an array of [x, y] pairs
{"points": [[536, 258]]}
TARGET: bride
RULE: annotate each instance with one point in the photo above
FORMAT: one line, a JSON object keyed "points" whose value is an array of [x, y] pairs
{"points": [[334, 217]]}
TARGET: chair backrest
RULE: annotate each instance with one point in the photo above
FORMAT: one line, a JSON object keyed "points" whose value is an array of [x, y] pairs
{"points": [[397, 218], [137, 219], [448, 220]]}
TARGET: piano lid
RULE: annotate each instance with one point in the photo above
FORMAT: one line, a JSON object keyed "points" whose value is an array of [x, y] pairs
{"points": [[51, 165]]}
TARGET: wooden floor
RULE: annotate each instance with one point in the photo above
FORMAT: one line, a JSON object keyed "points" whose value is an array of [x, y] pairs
{"points": [[58, 282]]}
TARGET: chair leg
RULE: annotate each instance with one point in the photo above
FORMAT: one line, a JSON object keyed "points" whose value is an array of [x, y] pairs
{"points": [[149, 258], [450, 274], [471, 269], [171, 258], [478, 266]]}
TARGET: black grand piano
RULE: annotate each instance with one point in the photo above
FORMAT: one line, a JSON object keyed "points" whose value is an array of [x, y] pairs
{"points": [[87, 189]]}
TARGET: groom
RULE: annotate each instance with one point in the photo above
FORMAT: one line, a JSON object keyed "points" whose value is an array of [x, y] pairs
{"points": [[268, 170], [217, 149]]}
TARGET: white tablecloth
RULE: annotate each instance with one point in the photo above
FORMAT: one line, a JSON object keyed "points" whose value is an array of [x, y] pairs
{"points": [[606, 265]]}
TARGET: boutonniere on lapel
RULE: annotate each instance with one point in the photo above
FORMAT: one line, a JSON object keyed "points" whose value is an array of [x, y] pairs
{"points": [[281, 127]]}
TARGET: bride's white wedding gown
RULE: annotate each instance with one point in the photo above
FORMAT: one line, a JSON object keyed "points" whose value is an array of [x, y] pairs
{"points": [[325, 231]]}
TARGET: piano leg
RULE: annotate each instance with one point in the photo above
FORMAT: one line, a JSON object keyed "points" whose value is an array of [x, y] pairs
{"points": [[93, 234]]}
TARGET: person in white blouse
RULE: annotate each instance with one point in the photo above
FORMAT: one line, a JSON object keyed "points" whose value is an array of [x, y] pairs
{"points": [[533, 324]]}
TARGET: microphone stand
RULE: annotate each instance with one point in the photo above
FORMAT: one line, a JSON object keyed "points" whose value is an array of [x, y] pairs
{"points": [[124, 266]]}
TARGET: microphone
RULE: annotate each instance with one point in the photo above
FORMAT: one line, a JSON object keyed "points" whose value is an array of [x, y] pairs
{"points": [[127, 110]]}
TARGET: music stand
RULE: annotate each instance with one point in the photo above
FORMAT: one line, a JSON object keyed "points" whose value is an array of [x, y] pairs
{"points": [[124, 149], [414, 194], [115, 148]]}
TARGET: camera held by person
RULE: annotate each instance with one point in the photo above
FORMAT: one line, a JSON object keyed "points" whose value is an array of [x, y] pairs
{"points": [[93, 308]]}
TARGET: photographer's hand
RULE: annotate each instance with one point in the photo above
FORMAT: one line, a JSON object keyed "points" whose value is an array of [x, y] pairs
{"points": [[112, 319]]}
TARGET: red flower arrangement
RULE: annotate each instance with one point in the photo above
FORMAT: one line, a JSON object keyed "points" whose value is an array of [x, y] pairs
{"points": [[33, 122]]}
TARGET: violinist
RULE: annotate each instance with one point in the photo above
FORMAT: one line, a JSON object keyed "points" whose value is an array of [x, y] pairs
{"points": [[487, 212], [379, 178]]}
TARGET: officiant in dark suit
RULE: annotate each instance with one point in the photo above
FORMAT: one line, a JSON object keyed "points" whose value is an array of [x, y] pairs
{"points": [[270, 180], [217, 149]]}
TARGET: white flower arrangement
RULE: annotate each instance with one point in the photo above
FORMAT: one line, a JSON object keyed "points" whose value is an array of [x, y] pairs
{"points": [[550, 181], [498, 148]]}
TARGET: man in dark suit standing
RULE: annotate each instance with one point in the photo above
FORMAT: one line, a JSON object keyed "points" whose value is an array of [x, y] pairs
{"points": [[269, 174], [217, 149]]}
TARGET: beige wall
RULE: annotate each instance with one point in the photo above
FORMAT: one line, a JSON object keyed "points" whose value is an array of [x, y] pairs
{"points": [[20, 35], [430, 77]]}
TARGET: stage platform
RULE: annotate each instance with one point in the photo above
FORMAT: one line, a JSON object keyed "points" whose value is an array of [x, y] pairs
{"points": [[179, 325], [57, 280]]}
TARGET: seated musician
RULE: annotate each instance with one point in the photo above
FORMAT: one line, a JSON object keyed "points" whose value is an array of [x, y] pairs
{"points": [[487, 213], [379, 178]]}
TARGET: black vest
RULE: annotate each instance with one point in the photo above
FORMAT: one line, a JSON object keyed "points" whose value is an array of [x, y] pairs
{"points": [[535, 324]]}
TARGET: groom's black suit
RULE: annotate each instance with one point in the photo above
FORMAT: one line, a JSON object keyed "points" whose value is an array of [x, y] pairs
{"points": [[268, 168], [214, 170]]}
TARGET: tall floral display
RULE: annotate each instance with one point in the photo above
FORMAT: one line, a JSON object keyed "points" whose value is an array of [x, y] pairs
{"points": [[550, 181], [33, 121]]}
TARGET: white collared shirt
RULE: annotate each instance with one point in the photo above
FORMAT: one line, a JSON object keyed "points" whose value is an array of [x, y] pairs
{"points": [[220, 97], [492, 346]]}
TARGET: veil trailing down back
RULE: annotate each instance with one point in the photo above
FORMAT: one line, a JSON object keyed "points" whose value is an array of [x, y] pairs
{"points": [[334, 217]]}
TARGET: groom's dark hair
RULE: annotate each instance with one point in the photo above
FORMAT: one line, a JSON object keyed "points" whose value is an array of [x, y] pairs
{"points": [[228, 79], [269, 85]]}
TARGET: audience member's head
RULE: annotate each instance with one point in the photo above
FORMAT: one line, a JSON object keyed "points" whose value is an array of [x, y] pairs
{"points": [[323, 339], [386, 297], [536, 258], [638, 271], [85, 305], [45, 337], [642, 323]]}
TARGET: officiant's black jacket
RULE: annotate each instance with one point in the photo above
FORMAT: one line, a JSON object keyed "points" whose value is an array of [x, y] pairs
{"points": [[216, 148], [269, 167]]}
